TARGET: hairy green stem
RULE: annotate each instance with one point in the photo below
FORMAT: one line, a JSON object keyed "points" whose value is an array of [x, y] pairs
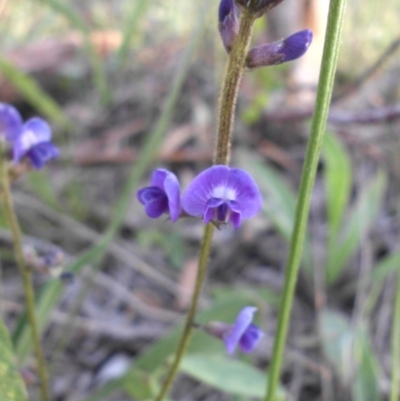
{"points": [[394, 393], [25, 273], [324, 93], [230, 88], [187, 330], [233, 75]]}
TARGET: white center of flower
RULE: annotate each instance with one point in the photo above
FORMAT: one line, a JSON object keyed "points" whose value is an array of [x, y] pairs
{"points": [[222, 192], [28, 139]]}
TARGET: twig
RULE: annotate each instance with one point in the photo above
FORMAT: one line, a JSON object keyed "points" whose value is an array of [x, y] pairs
{"points": [[376, 115]]}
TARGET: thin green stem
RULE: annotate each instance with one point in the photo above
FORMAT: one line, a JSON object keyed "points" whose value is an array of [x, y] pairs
{"points": [[324, 93], [25, 273], [394, 393], [187, 330], [230, 88]]}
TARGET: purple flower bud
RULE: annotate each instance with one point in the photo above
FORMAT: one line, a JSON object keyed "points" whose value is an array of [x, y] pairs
{"points": [[10, 122], [162, 196], [34, 142], [280, 52], [228, 24], [242, 332], [257, 7], [221, 195]]}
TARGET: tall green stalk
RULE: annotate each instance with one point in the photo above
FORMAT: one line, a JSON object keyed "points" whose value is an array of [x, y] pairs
{"points": [[230, 88], [394, 392], [25, 273], [324, 93]]}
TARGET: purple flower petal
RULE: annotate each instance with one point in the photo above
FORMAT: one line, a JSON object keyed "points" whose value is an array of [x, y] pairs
{"points": [[248, 198], [250, 338], [225, 8], [173, 191], [10, 122], [166, 184], [38, 128], [228, 24], [280, 52], [154, 200], [158, 177], [221, 194], [42, 153], [296, 45], [242, 323], [34, 141], [201, 188]]}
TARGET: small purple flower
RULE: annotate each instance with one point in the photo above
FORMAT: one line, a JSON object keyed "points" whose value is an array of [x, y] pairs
{"points": [[221, 194], [242, 333], [162, 196], [280, 52], [10, 121], [228, 24], [34, 142]]}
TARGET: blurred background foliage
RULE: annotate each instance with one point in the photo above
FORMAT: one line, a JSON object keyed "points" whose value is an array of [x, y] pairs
{"points": [[130, 85]]}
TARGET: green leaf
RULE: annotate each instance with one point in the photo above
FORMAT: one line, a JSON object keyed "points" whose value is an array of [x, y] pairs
{"points": [[140, 385], [348, 348], [228, 375], [357, 225], [153, 358], [338, 175], [365, 385], [32, 93], [12, 387], [386, 266], [279, 201], [338, 342]]}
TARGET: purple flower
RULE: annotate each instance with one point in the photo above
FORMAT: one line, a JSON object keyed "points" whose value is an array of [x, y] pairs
{"points": [[228, 24], [10, 121], [280, 52], [162, 196], [34, 142], [242, 333], [221, 194]]}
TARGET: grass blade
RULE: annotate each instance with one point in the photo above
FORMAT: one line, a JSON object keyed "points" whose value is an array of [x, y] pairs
{"points": [[338, 174], [358, 223], [279, 201], [137, 12], [66, 10], [12, 387], [32, 93]]}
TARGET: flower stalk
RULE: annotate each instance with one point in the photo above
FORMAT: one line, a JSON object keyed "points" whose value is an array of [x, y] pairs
{"points": [[25, 273], [324, 93], [187, 330], [233, 75]]}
